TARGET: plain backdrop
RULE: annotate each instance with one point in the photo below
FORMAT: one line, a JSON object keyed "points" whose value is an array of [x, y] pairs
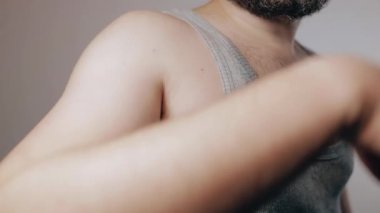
{"points": [[40, 41]]}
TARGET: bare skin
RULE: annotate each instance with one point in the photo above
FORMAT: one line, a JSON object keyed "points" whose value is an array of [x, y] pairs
{"points": [[127, 73], [141, 79], [195, 164]]}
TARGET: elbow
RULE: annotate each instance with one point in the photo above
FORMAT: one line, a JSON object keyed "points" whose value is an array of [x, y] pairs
{"points": [[344, 81]]}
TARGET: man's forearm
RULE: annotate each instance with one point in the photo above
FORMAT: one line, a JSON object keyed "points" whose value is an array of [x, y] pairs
{"points": [[204, 162]]}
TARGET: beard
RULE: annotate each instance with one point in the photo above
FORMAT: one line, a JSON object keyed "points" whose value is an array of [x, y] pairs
{"points": [[274, 9]]}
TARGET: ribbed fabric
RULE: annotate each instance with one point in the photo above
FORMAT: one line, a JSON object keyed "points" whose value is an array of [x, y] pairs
{"points": [[314, 189], [234, 69]]}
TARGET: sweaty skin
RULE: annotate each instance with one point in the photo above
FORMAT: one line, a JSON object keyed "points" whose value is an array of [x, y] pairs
{"points": [[196, 163]]}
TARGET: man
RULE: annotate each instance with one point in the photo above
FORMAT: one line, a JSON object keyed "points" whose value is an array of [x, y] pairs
{"points": [[154, 66]]}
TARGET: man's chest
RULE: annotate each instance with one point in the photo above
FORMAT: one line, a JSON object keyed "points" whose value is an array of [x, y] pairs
{"points": [[195, 79]]}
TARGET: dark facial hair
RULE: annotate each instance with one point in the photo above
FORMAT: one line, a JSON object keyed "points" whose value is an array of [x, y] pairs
{"points": [[274, 9]]}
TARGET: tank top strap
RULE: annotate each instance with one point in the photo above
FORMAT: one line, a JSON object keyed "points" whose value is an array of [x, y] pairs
{"points": [[234, 69]]}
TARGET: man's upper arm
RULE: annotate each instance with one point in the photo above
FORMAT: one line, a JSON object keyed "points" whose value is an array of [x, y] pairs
{"points": [[115, 88]]}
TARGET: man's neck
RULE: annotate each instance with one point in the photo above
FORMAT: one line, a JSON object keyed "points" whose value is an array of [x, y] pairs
{"points": [[249, 29]]}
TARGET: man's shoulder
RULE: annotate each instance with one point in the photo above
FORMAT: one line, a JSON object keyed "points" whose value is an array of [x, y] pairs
{"points": [[145, 31], [150, 25]]}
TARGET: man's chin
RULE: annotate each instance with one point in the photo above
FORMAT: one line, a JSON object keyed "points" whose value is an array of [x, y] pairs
{"points": [[281, 10]]}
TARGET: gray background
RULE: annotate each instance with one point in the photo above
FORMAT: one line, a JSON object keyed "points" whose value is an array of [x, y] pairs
{"points": [[40, 41]]}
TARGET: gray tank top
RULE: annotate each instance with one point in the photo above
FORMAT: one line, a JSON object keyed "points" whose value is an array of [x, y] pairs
{"points": [[317, 187]]}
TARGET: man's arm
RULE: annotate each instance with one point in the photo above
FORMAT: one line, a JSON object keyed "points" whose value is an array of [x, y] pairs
{"points": [[211, 160], [113, 90]]}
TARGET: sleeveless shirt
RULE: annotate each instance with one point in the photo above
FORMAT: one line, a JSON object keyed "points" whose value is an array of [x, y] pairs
{"points": [[317, 187]]}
